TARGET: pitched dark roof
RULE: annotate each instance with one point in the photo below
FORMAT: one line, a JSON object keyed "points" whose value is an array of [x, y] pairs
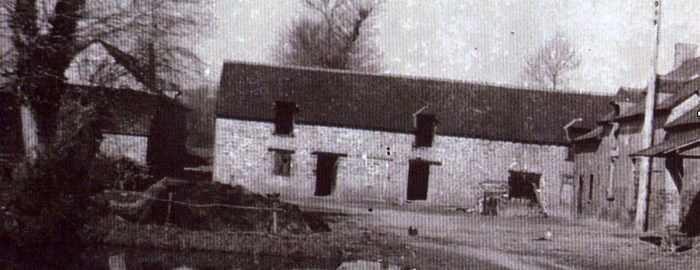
{"points": [[595, 134], [690, 118], [672, 142], [383, 102], [626, 94], [688, 89], [678, 90], [684, 72], [132, 111]]}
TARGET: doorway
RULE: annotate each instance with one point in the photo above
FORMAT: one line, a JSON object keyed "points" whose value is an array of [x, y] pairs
{"points": [[326, 171], [418, 173]]}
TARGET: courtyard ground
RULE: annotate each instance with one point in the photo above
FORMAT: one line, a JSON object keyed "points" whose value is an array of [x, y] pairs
{"points": [[448, 239]]}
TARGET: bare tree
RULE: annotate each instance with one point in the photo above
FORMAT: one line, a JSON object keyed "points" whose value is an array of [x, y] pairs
{"points": [[160, 42], [548, 66], [334, 34]]}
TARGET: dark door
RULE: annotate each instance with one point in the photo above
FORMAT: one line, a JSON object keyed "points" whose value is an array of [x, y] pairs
{"points": [[579, 200], [418, 181], [326, 170]]}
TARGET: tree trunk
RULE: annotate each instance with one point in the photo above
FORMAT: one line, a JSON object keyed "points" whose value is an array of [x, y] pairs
{"points": [[30, 136]]}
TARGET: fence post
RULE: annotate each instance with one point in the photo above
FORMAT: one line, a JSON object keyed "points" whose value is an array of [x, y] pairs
{"points": [[274, 218], [170, 199]]}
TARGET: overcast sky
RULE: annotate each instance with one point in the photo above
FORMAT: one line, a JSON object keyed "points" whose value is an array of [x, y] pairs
{"points": [[480, 40]]}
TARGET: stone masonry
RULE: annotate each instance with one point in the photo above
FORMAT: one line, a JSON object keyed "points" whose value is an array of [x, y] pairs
{"points": [[377, 162]]}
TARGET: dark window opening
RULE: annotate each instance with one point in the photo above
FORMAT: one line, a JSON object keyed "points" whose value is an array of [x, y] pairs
{"points": [[635, 180], [283, 162], [326, 172], [590, 189], [523, 185], [570, 153], [284, 117], [418, 173], [611, 182], [425, 129], [579, 204]]}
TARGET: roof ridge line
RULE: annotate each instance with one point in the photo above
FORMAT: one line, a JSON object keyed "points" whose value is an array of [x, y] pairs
{"points": [[421, 78]]}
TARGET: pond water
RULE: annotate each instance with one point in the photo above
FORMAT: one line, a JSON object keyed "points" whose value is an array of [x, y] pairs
{"points": [[119, 258]]}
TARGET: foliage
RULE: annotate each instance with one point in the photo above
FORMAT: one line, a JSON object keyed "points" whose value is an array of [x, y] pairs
{"points": [[340, 36], [49, 198], [549, 64]]}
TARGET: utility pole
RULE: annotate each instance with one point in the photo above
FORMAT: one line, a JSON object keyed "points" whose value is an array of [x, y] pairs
{"points": [[645, 164]]}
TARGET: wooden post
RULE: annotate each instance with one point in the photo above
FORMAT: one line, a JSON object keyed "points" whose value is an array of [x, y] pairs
{"points": [[648, 131], [274, 218], [170, 199]]}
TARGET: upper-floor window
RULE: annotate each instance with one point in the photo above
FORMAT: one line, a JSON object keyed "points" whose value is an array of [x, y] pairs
{"points": [[284, 117], [425, 129]]}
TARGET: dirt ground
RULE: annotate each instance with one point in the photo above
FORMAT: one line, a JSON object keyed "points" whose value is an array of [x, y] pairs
{"points": [[455, 240]]}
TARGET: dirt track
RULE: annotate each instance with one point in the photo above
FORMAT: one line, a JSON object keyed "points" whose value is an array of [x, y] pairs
{"points": [[454, 240]]}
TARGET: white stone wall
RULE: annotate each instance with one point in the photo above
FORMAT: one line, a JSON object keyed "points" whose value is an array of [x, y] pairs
{"points": [[376, 166], [129, 146]]}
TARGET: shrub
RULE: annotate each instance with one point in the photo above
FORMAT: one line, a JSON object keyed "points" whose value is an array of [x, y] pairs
{"points": [[121, 173], [49, 198]]}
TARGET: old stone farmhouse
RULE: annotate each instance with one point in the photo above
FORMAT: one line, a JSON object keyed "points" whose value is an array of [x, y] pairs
{"points": [[607, 158], [348, 136]]}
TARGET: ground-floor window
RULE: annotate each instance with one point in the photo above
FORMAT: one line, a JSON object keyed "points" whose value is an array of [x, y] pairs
{"points": [[282, 162], [523, 185]]}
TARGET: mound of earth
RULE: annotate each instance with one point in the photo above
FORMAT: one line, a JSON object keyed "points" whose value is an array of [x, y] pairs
{"points": [[205, 206]]}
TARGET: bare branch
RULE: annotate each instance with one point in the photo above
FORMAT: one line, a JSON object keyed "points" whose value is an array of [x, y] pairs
{"points": [[548, 66]]}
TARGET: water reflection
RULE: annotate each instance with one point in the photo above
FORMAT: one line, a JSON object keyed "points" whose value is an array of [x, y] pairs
{"points": [[117, 258]]}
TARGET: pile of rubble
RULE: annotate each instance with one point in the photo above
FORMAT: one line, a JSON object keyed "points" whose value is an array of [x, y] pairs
{"points": [[213, 207]]}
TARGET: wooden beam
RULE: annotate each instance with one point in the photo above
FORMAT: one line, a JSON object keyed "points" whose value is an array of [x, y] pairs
{"points": [[281, 150], [328, 154], [430, 162]]}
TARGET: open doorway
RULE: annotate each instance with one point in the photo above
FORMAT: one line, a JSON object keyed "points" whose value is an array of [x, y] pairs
{"points": [[418, 173], [523, 186], [326, 172]]}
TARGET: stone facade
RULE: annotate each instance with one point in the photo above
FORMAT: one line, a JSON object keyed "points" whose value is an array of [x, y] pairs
{"points": [[669, 195], [376, 163], [608, 160], [125, 146]]}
